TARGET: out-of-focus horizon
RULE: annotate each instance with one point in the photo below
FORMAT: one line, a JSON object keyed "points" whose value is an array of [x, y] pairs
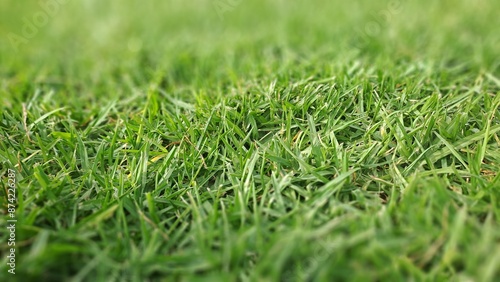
{"points": [[94, 39]]}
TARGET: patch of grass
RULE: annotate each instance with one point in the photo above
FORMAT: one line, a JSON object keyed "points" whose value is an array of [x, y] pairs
{"points": [[282, 142]]}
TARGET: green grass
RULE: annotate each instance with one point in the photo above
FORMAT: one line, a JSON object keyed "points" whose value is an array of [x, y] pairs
{"points": [[277, 141]]}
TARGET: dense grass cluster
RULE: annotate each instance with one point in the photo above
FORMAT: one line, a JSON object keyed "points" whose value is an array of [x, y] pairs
{"points": [[304, 141]]}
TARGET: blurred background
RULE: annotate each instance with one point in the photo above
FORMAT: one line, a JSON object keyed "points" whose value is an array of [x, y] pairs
{"points": [[97, 48]]}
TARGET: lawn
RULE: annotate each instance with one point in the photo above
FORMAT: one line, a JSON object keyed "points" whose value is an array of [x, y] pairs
{"points": [[230, 140]]}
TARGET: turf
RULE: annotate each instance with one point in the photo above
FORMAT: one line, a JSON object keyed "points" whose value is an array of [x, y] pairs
{"points": [[252, 141]]}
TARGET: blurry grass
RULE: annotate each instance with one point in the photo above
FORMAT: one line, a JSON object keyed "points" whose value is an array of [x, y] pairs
{"points": [[280, 142]]}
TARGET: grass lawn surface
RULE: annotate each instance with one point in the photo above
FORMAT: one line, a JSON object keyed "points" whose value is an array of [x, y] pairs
{"points": [[229, 140]]}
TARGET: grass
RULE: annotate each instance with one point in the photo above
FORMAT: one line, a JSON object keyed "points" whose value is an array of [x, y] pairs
{"points": [[282, 141]]}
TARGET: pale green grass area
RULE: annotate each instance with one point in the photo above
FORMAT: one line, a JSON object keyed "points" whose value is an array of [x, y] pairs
{"points": [[272, 141]]}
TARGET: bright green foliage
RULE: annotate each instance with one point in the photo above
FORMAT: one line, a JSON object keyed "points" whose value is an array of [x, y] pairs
{"points": [[253, 140]]}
